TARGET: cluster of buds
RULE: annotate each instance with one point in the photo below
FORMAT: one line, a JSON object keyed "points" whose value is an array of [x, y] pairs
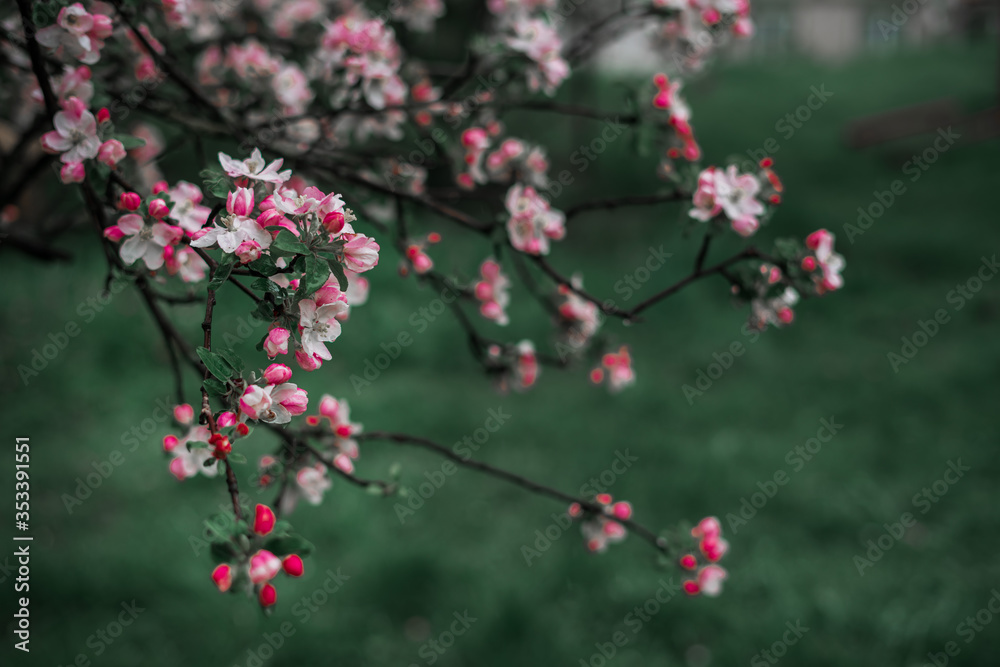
{"points": [[417, 257], [600, 530], [680, 136], [493, 292], [616, 368], [263, 565], [708, 576]]}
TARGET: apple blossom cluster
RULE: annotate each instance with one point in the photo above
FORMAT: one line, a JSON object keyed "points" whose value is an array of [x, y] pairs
{"points": [[526, 27], [254, 571], [692, 29], [727, 194], [579, 319], [77, 33], [604, 528], [77, 139], [532, 222], [616, 369], [516, 366], [708, 575]]}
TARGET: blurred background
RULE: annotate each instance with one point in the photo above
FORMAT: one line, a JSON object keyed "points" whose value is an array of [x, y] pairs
{"points": [[794, 560]]}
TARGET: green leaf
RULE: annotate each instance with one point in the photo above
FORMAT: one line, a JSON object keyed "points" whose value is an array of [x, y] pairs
{"points": [[236, 458], [130, 142], [338, 270], [215, 387], [222, 271], [287, 244], [317, 272], [196, 445], [292, 544], [265, 265], [209, 463], [231, 358], [266, 285], [223, 552], [216, 364], [216, 181]]}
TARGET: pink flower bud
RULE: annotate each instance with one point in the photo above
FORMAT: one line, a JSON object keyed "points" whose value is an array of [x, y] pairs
{"points": [[662, 100], [263, 521], [692, 587], [130, 201], [307, 361], [268, 596], [223, 577], [661, 81], [242, 429], [689, 562], [103, 115], [111, 153], [276, 342], [225, 419], [264, 565], [169, 442], [248, 251], [114, 233], [474, 137], [158, 208], [622, 510], [160, 186], [72, 172], [343, 462], [240, 202], [277, 374], [292, 565], [334, 222], [184, 413]]}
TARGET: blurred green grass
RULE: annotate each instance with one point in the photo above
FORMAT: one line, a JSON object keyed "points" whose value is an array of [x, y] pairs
{"points": [[462, 550]]}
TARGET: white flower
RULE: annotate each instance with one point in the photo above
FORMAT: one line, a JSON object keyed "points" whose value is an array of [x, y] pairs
{"points": [[254, 168], [319, 325], [147, 241]]}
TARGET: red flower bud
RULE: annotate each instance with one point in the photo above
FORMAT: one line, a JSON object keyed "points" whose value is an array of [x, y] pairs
{"points": [[292, 565], [158, 208], [103, 115], [268, 596], [263, 522], [130, 201], [223, 577]]}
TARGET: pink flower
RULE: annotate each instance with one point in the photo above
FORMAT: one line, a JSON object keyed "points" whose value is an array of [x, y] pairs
{"points": [[187, 209], [526, 368], [830, 263], [532, 221], [147, 241], [255, 402], [710, 580], [75, 135], [737, 195], [276, 342], [264, 565], [360, 253], [78, 32], [319, 325], [254, 168], [111, 152], [617, 368], [313, 483], [186, 262], [237, 227]]}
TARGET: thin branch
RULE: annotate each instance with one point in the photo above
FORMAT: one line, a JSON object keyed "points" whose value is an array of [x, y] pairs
{"points": [[658, 542]]}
